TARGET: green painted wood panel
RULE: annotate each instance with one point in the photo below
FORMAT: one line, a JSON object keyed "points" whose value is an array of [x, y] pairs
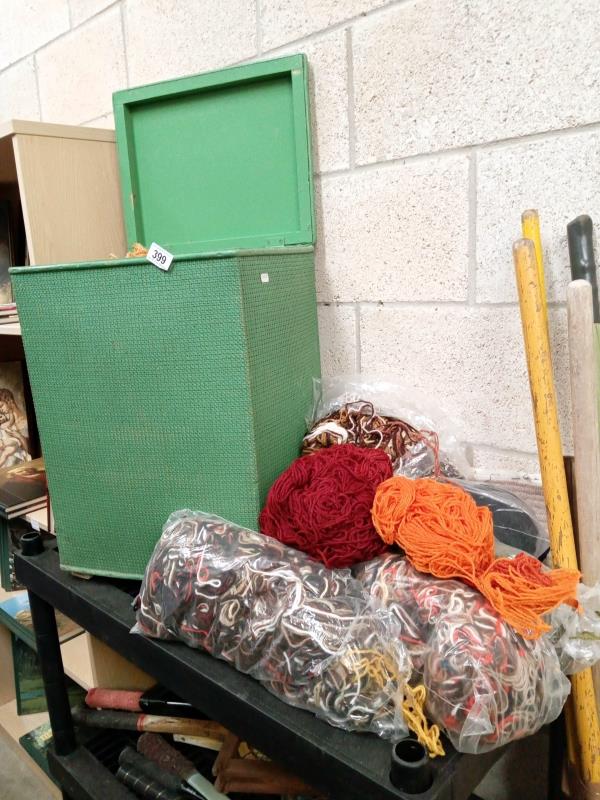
{"points": [[218, 161]]}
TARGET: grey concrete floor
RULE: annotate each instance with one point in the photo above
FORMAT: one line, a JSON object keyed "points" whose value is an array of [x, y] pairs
{"points": [[17, 782]]}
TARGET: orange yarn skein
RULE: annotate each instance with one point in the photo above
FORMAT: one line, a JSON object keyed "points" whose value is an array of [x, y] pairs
{"points": [[445, 533]]}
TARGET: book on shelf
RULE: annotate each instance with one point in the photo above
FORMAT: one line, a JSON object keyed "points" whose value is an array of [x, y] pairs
{"points": [[29, 684], [7, 319], [37, 743], [15, 443], [15, 614], [23, 488], [7, 308]]}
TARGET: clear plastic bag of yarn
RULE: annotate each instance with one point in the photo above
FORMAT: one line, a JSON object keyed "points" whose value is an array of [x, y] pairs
{"points": [[576, 632], [375, 412], [486, 685], [517, 527], [307, 633]]}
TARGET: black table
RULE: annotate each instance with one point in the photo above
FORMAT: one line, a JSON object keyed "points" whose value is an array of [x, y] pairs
{"points": [[348, 766]]}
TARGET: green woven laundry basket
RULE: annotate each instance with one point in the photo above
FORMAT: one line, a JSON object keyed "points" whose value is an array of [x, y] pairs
{"points": [[156, 391]]}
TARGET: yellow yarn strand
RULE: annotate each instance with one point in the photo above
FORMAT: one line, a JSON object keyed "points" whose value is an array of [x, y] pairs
{"points": [[427, 735], [379, 668]]}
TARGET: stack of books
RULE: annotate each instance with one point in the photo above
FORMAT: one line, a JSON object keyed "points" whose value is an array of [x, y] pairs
{"points": [[23, 505], [23, 488], [8, 313]]}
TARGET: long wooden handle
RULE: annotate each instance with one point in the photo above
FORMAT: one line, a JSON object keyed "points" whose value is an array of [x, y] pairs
{"points": [[151, 723], [228, 751], [257, 777], [562, 542], [530, 227], [247, 768], [586, 435]]}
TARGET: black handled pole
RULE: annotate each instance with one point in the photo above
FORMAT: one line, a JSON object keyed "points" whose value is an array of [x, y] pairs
{"points": [[581, 254]]}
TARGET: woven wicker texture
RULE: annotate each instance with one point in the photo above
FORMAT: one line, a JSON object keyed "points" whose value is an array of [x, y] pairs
{"points": [[159, 391]]}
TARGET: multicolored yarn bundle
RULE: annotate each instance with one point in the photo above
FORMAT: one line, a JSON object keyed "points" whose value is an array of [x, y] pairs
{"points": [[307, 633], [486, 685], [358, 423], [322, 504], [443, 532]]}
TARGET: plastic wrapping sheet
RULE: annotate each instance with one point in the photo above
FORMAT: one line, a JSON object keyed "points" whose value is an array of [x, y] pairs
{"points": [[413, 456], [308, 634], [486, 685], [515, 524], [576, 632]]}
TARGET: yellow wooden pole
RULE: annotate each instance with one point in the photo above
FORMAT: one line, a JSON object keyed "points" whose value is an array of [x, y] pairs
{"points": [[530, 226], [562, 542]]}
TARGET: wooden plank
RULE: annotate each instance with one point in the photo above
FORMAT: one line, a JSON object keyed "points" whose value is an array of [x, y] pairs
{"points": [[77, 662], [15, 126], [70, 197], [8, 169], [111, 671], [12, 727]]}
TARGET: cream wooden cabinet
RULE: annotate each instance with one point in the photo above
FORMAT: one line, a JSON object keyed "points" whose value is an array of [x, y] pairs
{"points": [[68, 184], [64, 181]]}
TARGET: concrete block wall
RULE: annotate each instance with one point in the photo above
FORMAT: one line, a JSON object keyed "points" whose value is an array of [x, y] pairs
{"points": [[436, 122]]}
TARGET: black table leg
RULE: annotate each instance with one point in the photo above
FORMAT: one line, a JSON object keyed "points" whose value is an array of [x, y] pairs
{"points": [[48, 648], [556, 757]]}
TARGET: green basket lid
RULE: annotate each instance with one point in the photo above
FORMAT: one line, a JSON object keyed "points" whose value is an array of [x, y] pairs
{"points": [[218, 161]]}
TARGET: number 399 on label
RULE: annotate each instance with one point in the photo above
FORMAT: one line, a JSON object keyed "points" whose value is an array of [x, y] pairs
{"points": [[160, 257]]}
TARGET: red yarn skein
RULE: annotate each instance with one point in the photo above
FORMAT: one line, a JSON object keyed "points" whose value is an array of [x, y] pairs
{"points": [[322, 504]]}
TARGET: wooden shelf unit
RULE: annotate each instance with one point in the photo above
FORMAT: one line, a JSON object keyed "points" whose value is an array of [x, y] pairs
{"points": [[68, 185], [64, 182]]}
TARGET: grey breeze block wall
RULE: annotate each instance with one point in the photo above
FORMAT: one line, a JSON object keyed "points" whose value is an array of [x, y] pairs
{"points": [[436, 122]]}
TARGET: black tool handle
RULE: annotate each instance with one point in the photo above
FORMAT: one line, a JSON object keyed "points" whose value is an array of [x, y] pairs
{"points": [[159, 700], [581, 254], [144, 786], [130, 759]]}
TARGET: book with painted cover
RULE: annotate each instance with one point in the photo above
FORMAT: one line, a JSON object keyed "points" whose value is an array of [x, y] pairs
{"points": [[37, 743], [29, 683], [15, 434], [15, 614], [23, 488]]}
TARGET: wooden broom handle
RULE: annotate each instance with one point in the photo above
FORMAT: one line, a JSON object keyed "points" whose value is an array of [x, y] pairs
{"points": [[562, 541]]}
